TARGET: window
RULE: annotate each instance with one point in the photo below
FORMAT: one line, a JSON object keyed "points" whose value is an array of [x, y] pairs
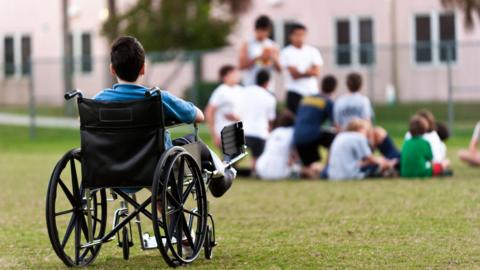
{"points": [[344, 53], [367, 51], [9, 56], [355, 41], [423, 39], [81, 46], [26, 54], [447, 38], [432, 30], [86, 54]]}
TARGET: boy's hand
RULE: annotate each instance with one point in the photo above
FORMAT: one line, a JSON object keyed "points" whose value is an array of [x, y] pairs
{"points": [[232, 117], [217, 141]]}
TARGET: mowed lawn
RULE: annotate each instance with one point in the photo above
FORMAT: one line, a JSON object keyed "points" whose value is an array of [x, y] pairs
{"points": [[294, 224]]}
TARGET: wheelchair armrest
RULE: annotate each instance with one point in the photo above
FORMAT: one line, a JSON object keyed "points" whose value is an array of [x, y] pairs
{"points": [[152, 91], [72, 93]]}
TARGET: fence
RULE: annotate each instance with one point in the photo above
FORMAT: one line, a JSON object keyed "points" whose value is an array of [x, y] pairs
{"points": [[401, 73]]}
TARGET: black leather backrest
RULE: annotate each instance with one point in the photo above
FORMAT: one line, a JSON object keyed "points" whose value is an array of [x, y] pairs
{"points": [[121, 142]]}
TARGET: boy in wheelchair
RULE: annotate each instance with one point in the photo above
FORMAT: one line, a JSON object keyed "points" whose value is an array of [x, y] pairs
{"points": [[127, 58]]}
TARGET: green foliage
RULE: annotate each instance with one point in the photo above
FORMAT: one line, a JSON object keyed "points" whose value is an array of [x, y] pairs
{"points": [[177, 25], [204, 90]]}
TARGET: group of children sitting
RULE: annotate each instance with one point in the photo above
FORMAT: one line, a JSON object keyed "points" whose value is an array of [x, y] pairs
{"points": [[288, 145]]}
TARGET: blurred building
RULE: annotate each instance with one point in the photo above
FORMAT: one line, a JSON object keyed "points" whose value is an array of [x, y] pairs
{"points": [[406, 44]]}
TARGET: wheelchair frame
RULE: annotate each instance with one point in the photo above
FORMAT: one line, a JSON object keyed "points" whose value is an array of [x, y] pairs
{"points": [[171, 229]]}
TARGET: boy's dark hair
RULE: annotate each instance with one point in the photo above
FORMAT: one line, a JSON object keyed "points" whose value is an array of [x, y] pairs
{"points": [[354, 82], [127, 57], [442, 131], [295, 27], [224, 71], [285, 119], [329, 84], [428, 115], [263, 22], [418, 125], [262, 78]]}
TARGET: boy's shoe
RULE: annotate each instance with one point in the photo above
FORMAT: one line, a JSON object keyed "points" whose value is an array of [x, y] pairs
{"points": [[220, 184]]}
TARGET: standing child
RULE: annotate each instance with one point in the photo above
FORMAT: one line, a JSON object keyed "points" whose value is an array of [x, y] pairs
{"points": [[417, 157], [222, 108], [259, 53], [302, 63], [257, 111]]}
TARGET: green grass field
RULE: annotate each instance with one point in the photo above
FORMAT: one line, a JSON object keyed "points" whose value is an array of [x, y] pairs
{"points": [[373, 224]]}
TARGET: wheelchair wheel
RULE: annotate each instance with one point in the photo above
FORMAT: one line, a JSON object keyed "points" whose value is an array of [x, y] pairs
{"points": [[209, 242], [125, 243], [180, 210], [66, 213]]}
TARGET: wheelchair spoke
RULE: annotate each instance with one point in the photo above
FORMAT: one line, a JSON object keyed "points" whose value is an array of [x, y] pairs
{"points": [[67, 192], [64, 212], [187, 232], [77, 240], [73, 173], [179, 234], [173, 224], [181, 177], [172, 199], [173, 211], [68, 232], [192, 213], [188, 190], [174, 188], [84, 227]]}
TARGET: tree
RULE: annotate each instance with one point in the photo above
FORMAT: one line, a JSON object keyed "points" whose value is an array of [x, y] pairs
{"points": [[178, 24], [470, 9]]}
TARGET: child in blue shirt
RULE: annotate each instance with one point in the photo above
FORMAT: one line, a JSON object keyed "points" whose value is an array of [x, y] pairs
{"points": [[127, 58]]}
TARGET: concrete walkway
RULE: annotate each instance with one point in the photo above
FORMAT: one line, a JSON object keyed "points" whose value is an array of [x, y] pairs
{"points": [[40, 121]]}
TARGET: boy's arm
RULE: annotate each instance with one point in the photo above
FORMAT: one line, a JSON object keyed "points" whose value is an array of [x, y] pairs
{"points": [[210, 118], [244, 62]]}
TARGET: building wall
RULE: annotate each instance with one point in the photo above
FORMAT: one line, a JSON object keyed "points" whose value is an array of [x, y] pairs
{"points": [[413, 82]]}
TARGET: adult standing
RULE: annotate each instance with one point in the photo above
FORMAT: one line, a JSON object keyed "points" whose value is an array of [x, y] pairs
{"points": [[302, 63], [259, 53]]}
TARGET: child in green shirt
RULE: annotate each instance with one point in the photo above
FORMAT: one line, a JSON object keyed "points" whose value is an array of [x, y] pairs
{"points": [[416, 160]]}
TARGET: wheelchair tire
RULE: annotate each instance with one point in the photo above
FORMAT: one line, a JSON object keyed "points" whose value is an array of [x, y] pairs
{"points": [[179, 239], [209, 244], [65, 191], [125, 244]]}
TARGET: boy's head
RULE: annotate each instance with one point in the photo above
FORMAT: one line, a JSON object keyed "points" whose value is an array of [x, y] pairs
{"points": [[285, 119], [329, 84], [354, 82], [127, 59], [442, 131], [418, 126], [228, 75], [298, 33], [428, 115], [263, 78], [263, 27], [359, 125]]}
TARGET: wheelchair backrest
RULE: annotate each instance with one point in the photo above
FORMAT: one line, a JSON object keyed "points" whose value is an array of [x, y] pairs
{"points": [[121, 141]]}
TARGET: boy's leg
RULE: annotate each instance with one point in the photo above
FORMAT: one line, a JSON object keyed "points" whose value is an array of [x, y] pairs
{"points": [[211, 162], [310, 158], [293, 101], [256, 146], [384, 143], [326, 138]]}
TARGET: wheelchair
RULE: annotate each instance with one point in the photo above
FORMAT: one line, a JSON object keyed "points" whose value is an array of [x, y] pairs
{"points": [[122, 151]]}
